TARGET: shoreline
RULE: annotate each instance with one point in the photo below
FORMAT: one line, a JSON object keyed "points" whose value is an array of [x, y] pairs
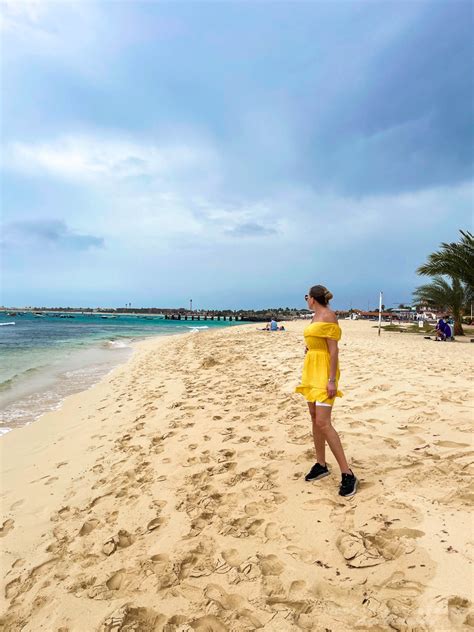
{"points": [[53, 384], [171, 492], [47, 386]]}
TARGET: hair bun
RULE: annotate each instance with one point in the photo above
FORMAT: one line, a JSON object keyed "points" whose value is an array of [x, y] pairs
{"points": [[319, 291]]}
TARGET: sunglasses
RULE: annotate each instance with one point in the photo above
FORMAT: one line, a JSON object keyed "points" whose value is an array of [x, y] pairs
{"points": [[306, 297]]}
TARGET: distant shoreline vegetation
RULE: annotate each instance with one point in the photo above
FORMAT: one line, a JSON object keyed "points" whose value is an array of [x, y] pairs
{"points": [[165, 313], [279, 313], [158, 311]]}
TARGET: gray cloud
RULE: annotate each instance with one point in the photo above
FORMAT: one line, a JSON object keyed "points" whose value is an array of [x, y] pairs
{"points": [[406, 123], [251, 229], [47, 233]]}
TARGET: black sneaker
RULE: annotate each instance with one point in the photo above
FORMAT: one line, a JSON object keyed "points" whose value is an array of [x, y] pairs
{"points": [[316, 472], [348, 485]]}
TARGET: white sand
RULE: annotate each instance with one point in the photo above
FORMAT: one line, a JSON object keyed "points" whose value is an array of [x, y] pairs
{"points": [[171, 497]]}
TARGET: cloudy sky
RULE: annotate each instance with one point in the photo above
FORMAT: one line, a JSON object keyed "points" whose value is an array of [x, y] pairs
{"points": [[233, 153]]}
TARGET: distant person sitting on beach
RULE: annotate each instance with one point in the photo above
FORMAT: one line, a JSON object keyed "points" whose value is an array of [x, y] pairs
{"points": [[444, 331], [440, 328], [448, 334], [448, 327], [319, 385], [273, 326]]}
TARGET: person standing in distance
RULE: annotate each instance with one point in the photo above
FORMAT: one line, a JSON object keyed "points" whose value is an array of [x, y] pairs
{"points": [[319, 386]]}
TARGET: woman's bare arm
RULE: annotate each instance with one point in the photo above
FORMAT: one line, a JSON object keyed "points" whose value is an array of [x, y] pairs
{"points": [[333, 358]]}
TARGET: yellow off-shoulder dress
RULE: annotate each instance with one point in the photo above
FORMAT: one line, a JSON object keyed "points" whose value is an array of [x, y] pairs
{"points": [[316, 363]]}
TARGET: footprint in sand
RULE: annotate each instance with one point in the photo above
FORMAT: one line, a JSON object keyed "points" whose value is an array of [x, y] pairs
{"points": [[19, 562], [242, 527], [356, 424], [88, 527], [232, 558], [274, 455], [17, 504], [228, 434], [398, 582], [155, 524], [258, 508], [12, 589], [232, 604], [199, 524], [25, 582], [286, 608], [451, 444], [63, 513], [190, 461], [116, 580], [304, 555], [276, 532], [259, 428], [393, 443], [319, 503], [306, 456], [270, 564], [133, 618], [122, 540], [198, 561], [460, 612], [374, 421], [207, 623], [225, 455], [361, 550], [244, 439], [6, 527]]}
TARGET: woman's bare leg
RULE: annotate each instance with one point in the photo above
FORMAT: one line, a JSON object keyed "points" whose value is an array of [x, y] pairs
{"points": [[322, 427], [318, 438]]}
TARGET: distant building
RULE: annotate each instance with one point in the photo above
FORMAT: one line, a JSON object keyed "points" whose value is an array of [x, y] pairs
{"points": [[404, 313], [428, 312]]}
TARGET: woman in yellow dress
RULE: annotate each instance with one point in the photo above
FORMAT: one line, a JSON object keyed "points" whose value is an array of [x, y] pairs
{"points": [[319, 385]]}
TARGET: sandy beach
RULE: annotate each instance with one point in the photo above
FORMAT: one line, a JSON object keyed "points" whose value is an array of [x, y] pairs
{"points": [[171, 496]]}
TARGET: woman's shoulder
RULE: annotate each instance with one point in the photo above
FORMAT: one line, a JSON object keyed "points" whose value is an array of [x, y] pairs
{"points": [[326, 329], [329, 317]]}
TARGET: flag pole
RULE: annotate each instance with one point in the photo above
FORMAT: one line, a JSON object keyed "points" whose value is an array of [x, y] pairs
{"points": [[380, 310]]}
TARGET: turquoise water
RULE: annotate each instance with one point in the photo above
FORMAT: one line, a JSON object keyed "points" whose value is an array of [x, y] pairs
{"points": [[44, 359]]}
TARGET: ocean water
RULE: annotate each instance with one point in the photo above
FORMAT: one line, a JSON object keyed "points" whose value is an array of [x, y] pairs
{"points": [[45, 359]]}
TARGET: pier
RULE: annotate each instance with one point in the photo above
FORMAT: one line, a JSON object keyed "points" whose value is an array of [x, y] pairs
{"points": [[178, 316]]}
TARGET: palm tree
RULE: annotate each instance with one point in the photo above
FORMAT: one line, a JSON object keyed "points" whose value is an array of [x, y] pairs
{"points": [[452, 297], [455, 259]]}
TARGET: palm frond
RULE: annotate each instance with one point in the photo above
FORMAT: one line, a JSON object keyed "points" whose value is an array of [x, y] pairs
{"points": [[455, 259]]}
